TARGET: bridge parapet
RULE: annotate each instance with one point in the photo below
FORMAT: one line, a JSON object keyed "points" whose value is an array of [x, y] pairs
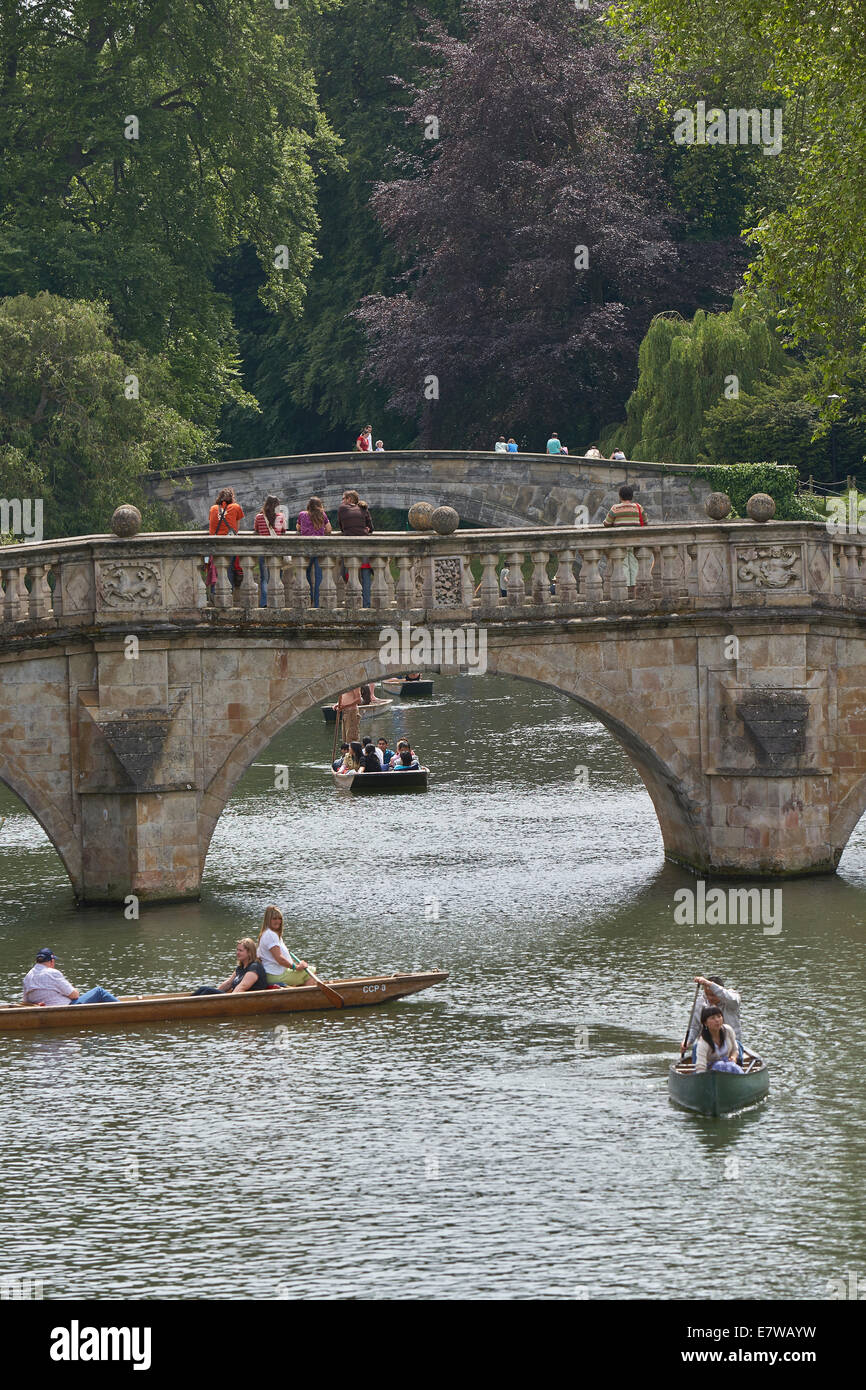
{"points": [[552, 572]]}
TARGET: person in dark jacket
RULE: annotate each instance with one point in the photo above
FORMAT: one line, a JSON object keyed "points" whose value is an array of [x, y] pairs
{"points": [[353, 519]]}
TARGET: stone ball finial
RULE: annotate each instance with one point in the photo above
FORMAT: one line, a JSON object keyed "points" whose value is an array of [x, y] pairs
{"points": [[761, 507], [126, 521], [444, 520], [717, 505], [420, 514]]}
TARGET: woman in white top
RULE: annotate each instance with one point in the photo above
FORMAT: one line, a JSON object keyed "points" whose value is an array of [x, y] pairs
{"points": [[280, 965], [717, 1044]]}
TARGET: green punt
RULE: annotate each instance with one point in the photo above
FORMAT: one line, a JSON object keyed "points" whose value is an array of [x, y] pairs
{"points": [[718, 1092]]}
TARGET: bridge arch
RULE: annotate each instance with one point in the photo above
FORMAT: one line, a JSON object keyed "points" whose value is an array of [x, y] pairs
{"points": [[49, 816], [850, 812], [659, 763]]}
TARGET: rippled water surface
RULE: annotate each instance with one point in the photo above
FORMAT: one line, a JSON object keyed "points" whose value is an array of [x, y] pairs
{"points": [[506, 1134]]}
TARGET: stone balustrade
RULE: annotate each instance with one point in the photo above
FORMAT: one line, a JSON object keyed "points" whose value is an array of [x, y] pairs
{"points": [[555, 572]]}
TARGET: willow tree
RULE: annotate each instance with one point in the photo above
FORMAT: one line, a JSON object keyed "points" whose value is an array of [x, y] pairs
{"points": [[685, 368]]}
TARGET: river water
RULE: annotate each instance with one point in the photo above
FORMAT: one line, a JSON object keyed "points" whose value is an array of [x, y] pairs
{"points": [[507, 1134]]}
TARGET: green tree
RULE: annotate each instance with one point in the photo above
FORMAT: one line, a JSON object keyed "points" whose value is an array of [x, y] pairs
{"points": [[83, 415], [810, 252], [686, 367], [308, 373], [778, 419], [139, 145]]}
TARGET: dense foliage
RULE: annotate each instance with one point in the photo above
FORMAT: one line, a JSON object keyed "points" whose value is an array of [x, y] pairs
{"points": [[84, 415], [538, 238], [139, 145], [809, 61]]}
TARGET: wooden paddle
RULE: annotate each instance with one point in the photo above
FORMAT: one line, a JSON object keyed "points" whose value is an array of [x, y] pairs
{"points": [[689, 1024], [326, 989]]}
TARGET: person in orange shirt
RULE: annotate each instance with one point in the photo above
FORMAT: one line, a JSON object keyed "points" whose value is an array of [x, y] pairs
{"points": [[226, 516]]}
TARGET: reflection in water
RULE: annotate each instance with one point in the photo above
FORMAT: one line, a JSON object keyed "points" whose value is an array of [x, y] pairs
{"points": [[508, 1134]]}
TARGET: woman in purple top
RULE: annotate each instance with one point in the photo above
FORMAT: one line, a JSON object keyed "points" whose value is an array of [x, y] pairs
{"points": [[314, 522]]}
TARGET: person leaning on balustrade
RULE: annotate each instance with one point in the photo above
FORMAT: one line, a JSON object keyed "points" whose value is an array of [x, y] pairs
{"points": [[627, 512]]}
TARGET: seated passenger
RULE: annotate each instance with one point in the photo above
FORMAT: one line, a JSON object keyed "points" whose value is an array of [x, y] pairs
{"points": [[406, 759], [370, 760], [280, 965], [385, 753], [249, 973], [717, 1046], [337, 763], [45, 985], [352, 760]]}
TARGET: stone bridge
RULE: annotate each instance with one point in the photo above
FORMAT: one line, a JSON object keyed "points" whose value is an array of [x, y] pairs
{"points": [[487, 489], [732, 671]]}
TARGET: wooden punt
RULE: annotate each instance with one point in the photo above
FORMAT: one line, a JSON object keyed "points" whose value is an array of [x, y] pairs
{"points": [[719, 1092], [156, 1008], [366, 711], [382, 783], [407, 690]]}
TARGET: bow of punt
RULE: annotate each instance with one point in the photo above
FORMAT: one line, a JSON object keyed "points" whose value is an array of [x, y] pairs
{"points": [[329, 712], [381, 783], [718, 1092], [407, 690], [151, 1008]]}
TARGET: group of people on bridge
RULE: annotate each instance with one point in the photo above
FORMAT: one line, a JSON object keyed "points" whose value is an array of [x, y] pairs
{"points": [[353, 519], [226, 515]]}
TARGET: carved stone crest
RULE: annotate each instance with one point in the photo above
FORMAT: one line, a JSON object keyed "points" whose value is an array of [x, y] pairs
{"points": [[129, 584], [769, 566], [447, 581]]}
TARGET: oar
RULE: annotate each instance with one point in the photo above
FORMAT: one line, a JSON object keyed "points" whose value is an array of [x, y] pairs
{"points": [[689, 1024], [338, 724], [326, 989]]}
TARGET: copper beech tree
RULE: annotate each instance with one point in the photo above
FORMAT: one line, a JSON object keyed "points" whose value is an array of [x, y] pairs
{"points": [[538, 236]]}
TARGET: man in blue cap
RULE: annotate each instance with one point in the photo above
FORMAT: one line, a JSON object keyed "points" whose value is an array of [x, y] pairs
{"points": [[45, 984]]}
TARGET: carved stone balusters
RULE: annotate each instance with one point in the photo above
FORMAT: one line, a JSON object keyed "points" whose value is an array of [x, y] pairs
{"points": [[644, 585], [40, 594], [671, 571], [405, 583], [329, 597], [382, 591], [488, 589], [354, 592], [222, 593], [590, 578], [540, 581], [299, 596], [276, 582], [249, 591], [15, 603], [515, 587], [618, 572], [566, 584]]}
